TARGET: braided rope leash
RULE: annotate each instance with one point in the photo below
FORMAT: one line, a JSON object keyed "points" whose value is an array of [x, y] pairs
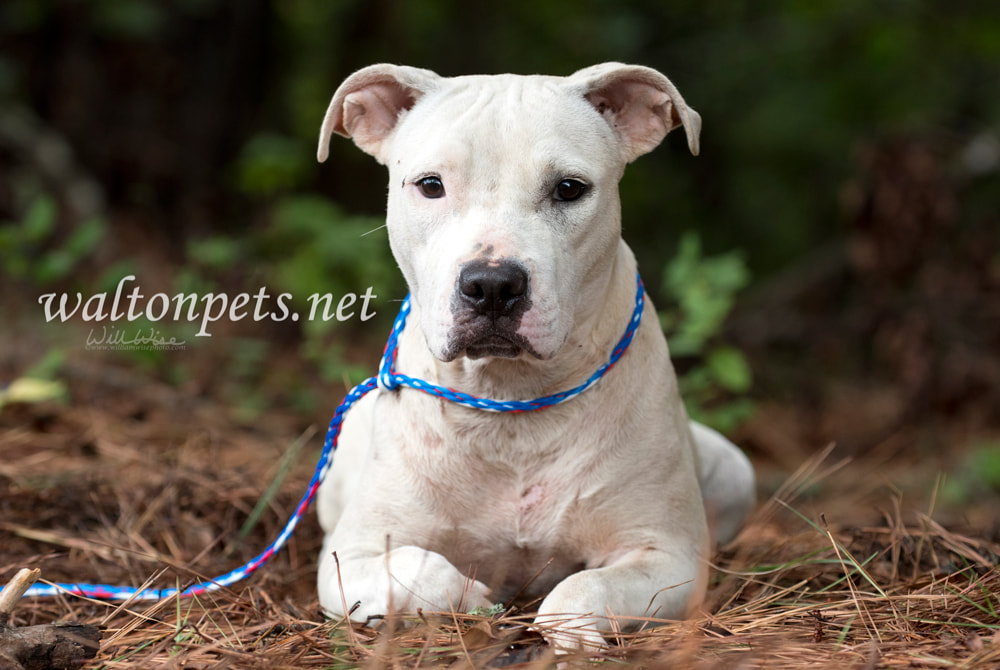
{"points": [[389, 380]]}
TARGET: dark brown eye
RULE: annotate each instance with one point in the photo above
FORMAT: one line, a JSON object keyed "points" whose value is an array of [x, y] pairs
{"points": [[569, 189], [431, 187]]}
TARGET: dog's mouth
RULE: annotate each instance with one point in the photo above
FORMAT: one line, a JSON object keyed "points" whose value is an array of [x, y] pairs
{"points": [[493, 345], [486, 342]]}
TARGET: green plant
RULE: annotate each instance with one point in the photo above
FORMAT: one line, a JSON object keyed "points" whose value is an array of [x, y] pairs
{"points": [[313, 247], [317, 248], [31, 249], [701, 291], [270, 163], [976, 476], [309, 247], [38, 383]]}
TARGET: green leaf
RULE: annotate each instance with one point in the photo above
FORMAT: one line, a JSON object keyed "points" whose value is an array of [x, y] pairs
{"points": [[16, 266], [39, 220], [86, 238], [729, 367], [704, 292], [215, 252], [54, 265], [48, 366], [986, 462], [27, 390], [725, 418], [114, 273], [271, 163], [139, 20], [490, 611]]}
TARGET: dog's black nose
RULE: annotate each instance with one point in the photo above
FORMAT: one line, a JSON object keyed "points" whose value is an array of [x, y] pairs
{"points": [[492, 287]]}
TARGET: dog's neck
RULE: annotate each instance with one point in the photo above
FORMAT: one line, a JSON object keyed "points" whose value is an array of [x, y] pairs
{"points": [[600, 323]]}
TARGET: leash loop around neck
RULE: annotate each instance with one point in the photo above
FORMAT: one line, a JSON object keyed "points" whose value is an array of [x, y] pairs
{"points": [[389, 379], [386, 379]]}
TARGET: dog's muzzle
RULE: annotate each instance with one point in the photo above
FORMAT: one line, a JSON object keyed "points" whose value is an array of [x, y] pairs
{"points": [[491, 296]]}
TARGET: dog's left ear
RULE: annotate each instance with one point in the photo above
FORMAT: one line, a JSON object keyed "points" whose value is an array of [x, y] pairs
{"points": [[640, 105], [368, 105]]}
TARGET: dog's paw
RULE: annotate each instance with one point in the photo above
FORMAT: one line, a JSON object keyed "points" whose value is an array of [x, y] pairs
{"points": [[572, 635], [404, 580], [569, 617]]}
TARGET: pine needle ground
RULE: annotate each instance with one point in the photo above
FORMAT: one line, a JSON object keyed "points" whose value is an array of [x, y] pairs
{"points": [[834, 570]]}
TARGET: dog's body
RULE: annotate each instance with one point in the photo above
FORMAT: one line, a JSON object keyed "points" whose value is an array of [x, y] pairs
{"points": [[504, 217]]}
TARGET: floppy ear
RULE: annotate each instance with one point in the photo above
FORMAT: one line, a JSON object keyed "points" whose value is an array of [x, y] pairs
{"points": [[367, 106], [640, 105]]}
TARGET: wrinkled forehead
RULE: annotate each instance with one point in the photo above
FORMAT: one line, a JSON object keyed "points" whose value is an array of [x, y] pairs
{"points": [[502, 118]]}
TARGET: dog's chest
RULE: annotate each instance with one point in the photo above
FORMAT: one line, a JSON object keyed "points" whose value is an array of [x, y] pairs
{"points": [[524, 511], [530, 498], [504, 492], [534, 514], [520, 543], [508, 491]]}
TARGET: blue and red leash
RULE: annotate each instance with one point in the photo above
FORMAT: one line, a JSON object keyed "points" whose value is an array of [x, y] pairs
{"points": [[387, 379]]}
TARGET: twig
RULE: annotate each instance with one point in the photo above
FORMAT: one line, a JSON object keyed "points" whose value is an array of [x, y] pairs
{"points": [[45, 646], [12, 593]]}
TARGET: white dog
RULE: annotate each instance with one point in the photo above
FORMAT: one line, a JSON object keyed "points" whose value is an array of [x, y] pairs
{"points": [[504, 217]]}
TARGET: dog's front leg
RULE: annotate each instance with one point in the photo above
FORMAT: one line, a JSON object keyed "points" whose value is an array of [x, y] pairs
{"points": [[588, 604], [401, 580]]}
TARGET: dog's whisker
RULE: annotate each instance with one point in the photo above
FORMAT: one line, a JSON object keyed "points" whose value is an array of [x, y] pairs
{"points": [[374, 230]]}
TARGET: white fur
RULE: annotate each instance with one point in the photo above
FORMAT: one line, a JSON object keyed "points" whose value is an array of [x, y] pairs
{"points": [[595, 504]]}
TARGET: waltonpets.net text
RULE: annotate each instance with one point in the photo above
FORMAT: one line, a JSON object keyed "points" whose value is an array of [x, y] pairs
{"points": [[205, 309]]}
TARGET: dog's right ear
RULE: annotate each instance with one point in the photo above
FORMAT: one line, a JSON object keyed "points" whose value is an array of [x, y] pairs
{"points": [[367, 106]]}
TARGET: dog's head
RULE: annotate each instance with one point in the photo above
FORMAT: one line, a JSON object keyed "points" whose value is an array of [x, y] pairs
{"points": [[503, 208]]}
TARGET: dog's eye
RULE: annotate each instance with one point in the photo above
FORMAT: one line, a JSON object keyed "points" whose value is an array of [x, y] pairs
{"points": [[569, 189], [431, 187]]}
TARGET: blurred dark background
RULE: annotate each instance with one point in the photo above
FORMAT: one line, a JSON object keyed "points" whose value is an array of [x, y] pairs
{"points": [[837, 236]]}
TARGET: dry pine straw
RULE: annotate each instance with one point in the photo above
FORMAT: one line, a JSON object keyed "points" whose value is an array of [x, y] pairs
{"points": [[790, 592], [851, 601]]}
